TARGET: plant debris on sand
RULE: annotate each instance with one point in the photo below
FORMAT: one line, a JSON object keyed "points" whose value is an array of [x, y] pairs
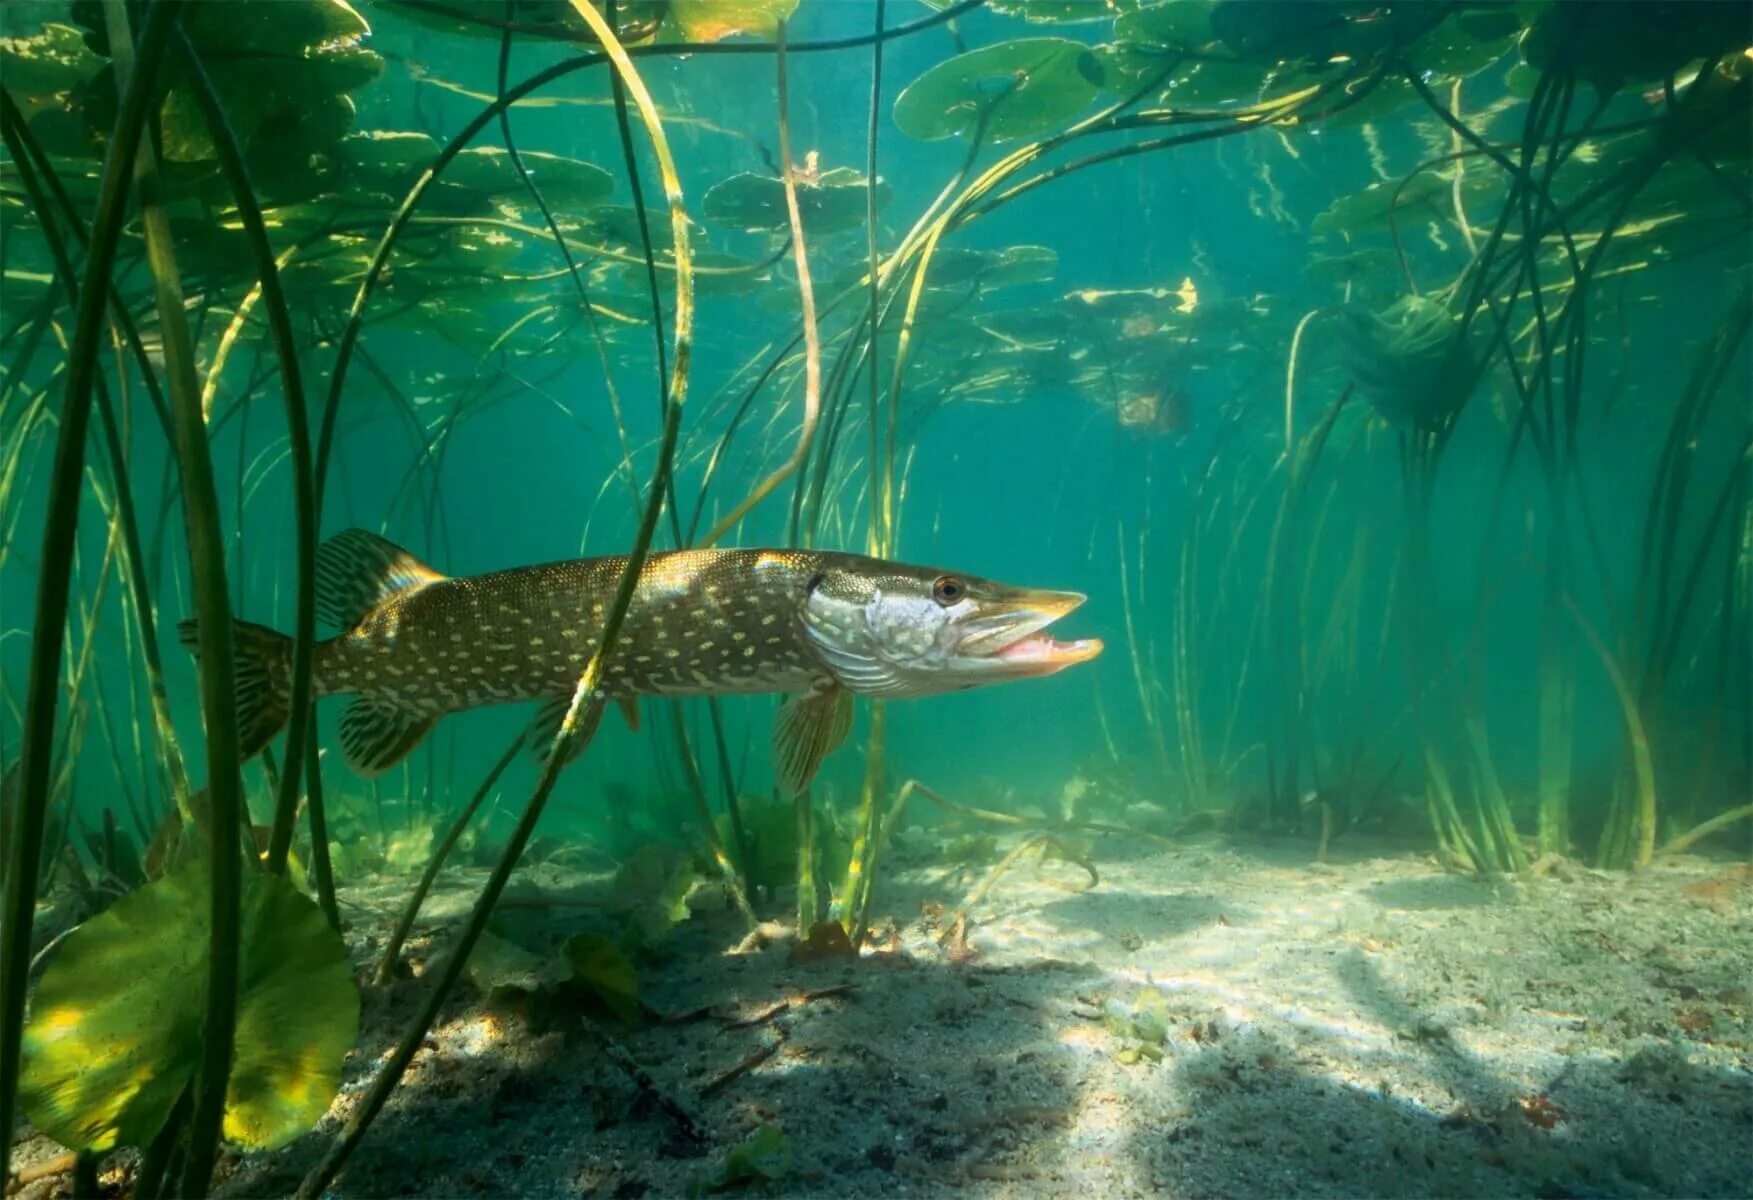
{"points": [[1375, 1026]]}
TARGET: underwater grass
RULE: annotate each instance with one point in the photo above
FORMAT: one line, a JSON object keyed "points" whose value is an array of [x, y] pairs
{"points": [[59, 545], [585, 711]]}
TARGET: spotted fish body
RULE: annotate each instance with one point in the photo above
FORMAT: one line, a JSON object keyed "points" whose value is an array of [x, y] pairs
{"points": [[820, 625], [700, 622]]}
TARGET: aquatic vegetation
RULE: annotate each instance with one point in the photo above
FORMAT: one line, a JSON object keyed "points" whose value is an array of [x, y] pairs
{"points": [[1388, 370], [114, 1041]]}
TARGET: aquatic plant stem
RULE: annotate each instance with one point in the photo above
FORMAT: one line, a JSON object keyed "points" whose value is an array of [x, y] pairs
{"points": [[206, 544], [25, 151], [392, 951], [54, 574], [812, 392], [304, 503], [585, 711]]}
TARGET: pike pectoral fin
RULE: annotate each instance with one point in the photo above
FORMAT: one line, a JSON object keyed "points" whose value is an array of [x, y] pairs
{"points": [[808, 729], [375, 735], [630, 710], [357, 571]]}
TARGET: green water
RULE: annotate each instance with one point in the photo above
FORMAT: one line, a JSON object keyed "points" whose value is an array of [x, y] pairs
{"points": [[1379, 372]]}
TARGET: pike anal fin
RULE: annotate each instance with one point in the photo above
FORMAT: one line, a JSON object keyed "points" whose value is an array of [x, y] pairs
{"points": [[376, 735], [808, 729]]}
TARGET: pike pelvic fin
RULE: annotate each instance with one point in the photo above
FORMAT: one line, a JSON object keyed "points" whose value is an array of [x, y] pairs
{"points": [[546, 727], [262, 666], [808, 729], [357, 571], [376, 735]]}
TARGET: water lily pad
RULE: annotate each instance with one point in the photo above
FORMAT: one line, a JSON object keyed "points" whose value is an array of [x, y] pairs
{"points": [[1274, 31], [716, 20], [43, 69], [282, 72], [831, 202], [115, 1027], [635, 22], [1632, 43], [1063, 12], [480, 178], [1016, 89]]}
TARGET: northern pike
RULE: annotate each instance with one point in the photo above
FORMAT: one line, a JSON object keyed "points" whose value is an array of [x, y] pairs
{"points": [[823, 626]]}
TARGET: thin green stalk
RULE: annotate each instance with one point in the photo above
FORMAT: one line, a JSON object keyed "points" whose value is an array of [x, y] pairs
{"points": [[392, 951], [206, 545], [236, 171], [54, 575], [585, 711]]}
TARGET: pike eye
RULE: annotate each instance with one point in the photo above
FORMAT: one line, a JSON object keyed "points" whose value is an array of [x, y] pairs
{"points": [[947, 590]]}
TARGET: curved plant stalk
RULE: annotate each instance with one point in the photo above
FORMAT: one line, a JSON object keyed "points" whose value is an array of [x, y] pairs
{"points": [[218, 681], [60, 529], [392, 951], [572, 270], [25, 152], [812, 390], [298, 726], [585, 711], [1699, 832], [1642, 764]]}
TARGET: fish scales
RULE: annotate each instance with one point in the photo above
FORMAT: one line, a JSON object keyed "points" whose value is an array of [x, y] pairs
{"points": [[820, 625], [700, 621]]}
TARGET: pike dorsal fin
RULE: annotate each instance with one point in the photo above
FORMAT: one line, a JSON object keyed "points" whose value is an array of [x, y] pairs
{"points": [[376, 735], [808, 729], [357, 571]]}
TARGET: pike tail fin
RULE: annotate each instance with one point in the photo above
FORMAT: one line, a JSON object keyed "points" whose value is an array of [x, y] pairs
{"points": [[262, 660]]}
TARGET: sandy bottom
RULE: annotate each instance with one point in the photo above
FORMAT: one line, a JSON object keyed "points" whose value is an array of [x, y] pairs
{"points": [[1220, 1020]]}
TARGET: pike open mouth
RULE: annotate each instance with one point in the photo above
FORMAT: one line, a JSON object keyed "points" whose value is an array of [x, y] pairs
{"points": [[1024, 649], [1037, 649]]}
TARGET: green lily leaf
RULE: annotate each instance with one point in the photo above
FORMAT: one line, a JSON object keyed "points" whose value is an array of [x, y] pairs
{"points": [[1370, 206], [555, 20], [763, 1157], [602, 969], [115, 1027], [43, 70], [1318, 31], [1017, 89], [1632, 43], [483, 179], [828, 203], [715, 20], [1064, 12]]}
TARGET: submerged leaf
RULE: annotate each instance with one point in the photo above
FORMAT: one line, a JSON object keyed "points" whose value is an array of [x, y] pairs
{"points": [[715, 20], [1013, 90], [763, 1157], [115, 1028], [607, 974], [830, 202]]}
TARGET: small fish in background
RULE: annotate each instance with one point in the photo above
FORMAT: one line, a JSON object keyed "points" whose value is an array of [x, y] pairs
{"points": [[823, 626]]}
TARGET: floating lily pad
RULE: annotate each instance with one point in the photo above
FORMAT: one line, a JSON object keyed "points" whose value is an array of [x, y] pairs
{"points": [[43, 69], [1063, 12], [1013, 90], [1632, 43], [484, 177], [1369, 207], [115, 1027], [716, 20], [833, 201], [282, 72], [635, 21], [1274, 31]]}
